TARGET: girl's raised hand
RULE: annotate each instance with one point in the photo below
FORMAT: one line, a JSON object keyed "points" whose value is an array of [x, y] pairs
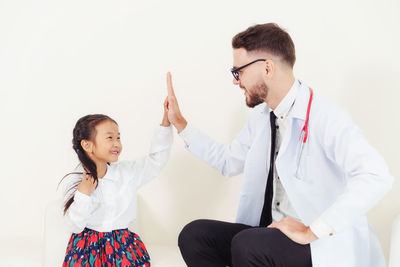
{"points": [[88, 185], [165, 122]]}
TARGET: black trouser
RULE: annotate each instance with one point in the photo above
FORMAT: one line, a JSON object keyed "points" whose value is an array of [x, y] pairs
{"points": [[208, 243]]}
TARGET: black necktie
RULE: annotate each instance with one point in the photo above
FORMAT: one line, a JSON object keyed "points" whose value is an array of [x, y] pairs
{"points": [[266, 214]]}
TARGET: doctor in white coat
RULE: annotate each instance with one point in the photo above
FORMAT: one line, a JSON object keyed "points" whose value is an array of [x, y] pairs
{"points": [[309, 175]]}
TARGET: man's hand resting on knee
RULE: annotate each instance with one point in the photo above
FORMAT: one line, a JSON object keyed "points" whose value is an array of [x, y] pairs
{"points": [[295, 230]]}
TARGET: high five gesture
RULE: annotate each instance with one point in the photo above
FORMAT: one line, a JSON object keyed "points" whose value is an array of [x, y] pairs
{"points": [[174, 114]]}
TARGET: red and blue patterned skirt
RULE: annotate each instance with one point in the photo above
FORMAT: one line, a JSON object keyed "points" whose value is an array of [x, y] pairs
{"points": [[118, 248]]}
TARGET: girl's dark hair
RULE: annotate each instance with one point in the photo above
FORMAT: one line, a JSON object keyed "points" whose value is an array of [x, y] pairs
{"points": [[268, 38], [84, 130]]}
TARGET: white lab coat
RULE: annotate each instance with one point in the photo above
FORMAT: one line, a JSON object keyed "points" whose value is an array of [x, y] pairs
{"points": [[340, 176]]}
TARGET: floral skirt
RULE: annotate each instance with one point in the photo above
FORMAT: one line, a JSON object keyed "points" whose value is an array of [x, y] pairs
{"points": [[118, 248]]}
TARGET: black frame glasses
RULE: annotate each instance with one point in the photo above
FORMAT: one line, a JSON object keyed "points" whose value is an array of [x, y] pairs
{"points": [[235, 71]]}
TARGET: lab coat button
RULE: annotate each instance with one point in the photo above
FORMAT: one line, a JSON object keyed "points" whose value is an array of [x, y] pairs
{"points": [[330, 234], [277, 203]]}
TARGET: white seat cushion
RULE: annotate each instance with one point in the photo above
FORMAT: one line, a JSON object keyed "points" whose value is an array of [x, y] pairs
{"points": [[56, 235], [394, 258], [21, 252], [165, 256]]}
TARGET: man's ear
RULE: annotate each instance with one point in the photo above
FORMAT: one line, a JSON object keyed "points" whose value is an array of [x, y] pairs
{"points": [[87, 146], [269, 67]]}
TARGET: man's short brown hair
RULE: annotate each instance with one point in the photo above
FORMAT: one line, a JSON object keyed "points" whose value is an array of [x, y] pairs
{"points": [[268, 38]]}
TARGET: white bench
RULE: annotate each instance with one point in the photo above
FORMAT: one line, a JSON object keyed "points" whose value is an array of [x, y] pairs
{"points": [[21, 252], [394, 257], [29, 252]]}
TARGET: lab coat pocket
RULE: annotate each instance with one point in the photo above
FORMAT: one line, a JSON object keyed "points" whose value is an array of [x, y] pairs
{"points": [[303, 169]]}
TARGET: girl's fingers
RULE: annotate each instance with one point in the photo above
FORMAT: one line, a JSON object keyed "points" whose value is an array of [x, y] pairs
{"points": [[166, 103]]}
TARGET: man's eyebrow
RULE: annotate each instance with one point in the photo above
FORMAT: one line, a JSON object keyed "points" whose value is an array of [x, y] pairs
{"points": [[113, 133]]}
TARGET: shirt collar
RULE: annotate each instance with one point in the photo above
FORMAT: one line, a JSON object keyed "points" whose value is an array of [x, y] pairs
{"points": [[283, 108], [108, 175], [300, 107]]}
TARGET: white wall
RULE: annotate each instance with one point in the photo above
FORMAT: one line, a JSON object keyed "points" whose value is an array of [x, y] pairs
{"points": [[60, 60]]}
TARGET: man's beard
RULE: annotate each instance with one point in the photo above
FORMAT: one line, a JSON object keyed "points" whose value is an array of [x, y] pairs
{"points": [[256, 95]]}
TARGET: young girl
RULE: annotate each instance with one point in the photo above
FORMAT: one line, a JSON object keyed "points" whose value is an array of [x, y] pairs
{"points": [[101, 202]]}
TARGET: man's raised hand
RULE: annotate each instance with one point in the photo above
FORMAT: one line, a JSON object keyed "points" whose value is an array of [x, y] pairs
{"points": [[174, 114]]}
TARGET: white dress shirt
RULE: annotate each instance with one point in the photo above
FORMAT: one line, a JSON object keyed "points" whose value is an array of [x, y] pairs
{"points": [[112, 205], [281, 206]]}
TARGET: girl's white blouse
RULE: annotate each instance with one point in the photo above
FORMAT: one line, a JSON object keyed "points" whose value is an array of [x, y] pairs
{"points": [[112, 205]]}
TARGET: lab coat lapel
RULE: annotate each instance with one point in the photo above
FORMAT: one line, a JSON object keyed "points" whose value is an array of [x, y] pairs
{"points": [[297, 117], [262, 149], [256, 174], [259, 153]]}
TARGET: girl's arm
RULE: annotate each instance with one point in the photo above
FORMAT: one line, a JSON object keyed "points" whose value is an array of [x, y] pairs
{"points": [[81, 209], [79, 212], [150, 166]]}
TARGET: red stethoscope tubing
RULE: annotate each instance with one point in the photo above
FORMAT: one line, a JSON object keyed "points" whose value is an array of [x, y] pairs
{"points": [[305, 127]]}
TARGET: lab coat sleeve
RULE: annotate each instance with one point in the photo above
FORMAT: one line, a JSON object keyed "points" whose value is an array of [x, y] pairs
{"points": [[228, 159], [150, 166], [321, 229], [367, 177]]}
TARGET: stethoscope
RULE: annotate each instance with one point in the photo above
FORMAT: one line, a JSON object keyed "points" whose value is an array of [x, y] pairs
{"points": [[304, 131]]}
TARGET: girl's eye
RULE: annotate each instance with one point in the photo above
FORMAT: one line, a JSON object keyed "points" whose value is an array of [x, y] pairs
{"points": [[109, 137], [119, 138]]}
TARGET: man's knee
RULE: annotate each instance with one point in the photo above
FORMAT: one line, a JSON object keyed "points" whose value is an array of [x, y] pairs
{"points": [[242, 244], [246, 250], [191, 232]]}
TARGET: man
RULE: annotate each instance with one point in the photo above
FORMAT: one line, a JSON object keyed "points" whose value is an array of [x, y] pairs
{"points": [[309, 175]]}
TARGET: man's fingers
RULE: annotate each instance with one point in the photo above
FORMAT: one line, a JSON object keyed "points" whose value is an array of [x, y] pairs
{"points": [[171, 99], [272, 225], [169, 85]]}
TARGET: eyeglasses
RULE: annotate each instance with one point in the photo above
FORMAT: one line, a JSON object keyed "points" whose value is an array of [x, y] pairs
{"points": [[235, 71]]}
